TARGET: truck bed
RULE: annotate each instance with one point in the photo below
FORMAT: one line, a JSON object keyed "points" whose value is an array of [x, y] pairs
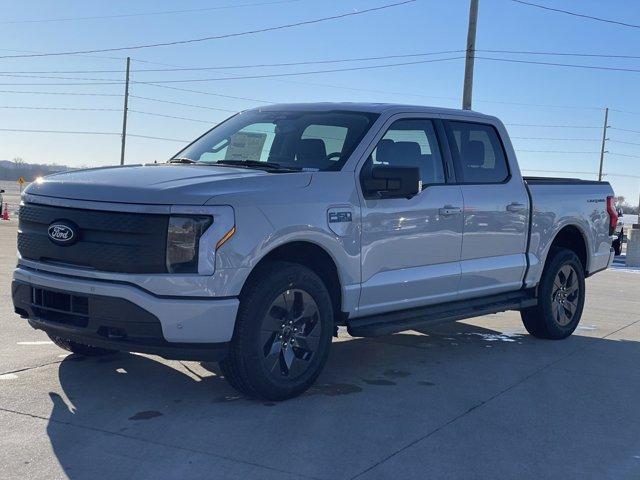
{"points": [[557, 203]]}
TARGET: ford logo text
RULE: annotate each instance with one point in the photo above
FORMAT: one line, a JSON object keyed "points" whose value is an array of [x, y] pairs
{"points": [[61, 234]]}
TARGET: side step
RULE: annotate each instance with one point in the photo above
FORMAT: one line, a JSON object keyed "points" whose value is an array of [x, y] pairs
{"points": [[386, 323]]}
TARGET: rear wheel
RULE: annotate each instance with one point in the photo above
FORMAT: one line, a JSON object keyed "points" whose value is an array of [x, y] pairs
{"points": [[283, 333], [80, 348], [561, 296]]}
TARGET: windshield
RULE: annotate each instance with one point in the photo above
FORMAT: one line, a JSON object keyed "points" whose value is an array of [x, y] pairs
{"points": [[295, 140]]}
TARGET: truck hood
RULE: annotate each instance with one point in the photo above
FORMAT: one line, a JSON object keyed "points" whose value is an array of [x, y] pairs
{"points": [[162, 184]]}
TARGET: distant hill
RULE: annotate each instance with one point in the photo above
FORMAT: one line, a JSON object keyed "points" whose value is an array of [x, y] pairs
{"points": [[30, 171]]}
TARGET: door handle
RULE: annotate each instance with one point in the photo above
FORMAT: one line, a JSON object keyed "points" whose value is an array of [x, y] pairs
{"points": [[516, 207], [449, 210]]}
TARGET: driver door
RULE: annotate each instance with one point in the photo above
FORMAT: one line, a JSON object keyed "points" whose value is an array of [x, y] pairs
{"points": [[411, 247]]}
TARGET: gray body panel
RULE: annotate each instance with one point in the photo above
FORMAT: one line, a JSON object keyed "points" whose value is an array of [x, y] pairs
{"points": [[393, 254]]}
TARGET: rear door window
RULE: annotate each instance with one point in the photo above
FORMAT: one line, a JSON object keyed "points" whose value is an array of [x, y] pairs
{"points": [[478, 153]]}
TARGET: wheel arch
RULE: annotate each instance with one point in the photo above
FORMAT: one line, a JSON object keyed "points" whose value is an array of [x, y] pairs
{"points": [[572, 238], [313, 256]]}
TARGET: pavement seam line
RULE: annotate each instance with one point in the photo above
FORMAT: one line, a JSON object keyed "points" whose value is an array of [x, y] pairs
{"points": [[484, 402], [154, 442], [25, 369]]}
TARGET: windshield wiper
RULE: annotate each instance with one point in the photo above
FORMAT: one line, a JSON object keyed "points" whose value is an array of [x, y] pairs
{"points": [[182, 160], [257, 164]]}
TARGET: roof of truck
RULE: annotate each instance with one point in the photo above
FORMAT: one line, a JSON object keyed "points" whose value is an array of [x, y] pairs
{"points": [[369, 107]]}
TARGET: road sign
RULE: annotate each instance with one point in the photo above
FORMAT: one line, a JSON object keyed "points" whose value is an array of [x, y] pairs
{"points": [[21, 181]]}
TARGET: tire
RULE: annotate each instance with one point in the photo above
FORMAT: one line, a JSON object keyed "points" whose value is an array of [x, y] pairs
{"points": [[561, 296], [282, 335], [617, 246], [80, 348]]}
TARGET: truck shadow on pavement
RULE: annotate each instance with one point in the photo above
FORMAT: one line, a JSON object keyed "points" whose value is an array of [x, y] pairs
{"points": [[124, 415]]}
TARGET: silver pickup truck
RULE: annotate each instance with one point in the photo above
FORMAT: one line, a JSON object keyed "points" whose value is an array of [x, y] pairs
{"points": [[255, 242]]}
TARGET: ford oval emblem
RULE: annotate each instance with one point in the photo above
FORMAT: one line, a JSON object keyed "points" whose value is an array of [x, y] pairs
{"points": [[62, 233]]}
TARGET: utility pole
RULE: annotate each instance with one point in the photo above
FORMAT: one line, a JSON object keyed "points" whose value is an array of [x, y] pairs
{"points": [[471, 52], [604, 141], [124, 117]]}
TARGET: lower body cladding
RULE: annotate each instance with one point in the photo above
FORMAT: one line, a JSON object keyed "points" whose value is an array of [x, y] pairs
{"points": [[124, 317]]}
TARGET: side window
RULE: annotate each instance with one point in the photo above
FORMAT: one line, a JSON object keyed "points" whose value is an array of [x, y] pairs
{"points": [[411, 143], [478, 153]]}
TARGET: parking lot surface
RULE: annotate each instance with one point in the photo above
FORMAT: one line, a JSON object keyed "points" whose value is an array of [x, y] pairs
{"points": [[474, 399]]}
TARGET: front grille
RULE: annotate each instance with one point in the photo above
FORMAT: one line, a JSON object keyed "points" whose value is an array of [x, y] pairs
{"points": [[108, 241], [60, 307]]}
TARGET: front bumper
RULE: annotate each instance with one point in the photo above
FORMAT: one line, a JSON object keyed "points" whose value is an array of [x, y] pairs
{"points": [[124, 317]]}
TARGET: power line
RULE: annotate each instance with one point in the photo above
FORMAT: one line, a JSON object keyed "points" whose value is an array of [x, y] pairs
{"points": [[624, 155], [25, 75], [56, 131], [624, 130], [217, 37], [64, 93], [181, 140], [624, 111], [145, 14], [75, 132], [188, 90], [626, 143], [232, 67], [561, 54], [315, 62], [576, 14], [208, 122], [553, 64], [243, 77], [182, 104], [63, 108]]}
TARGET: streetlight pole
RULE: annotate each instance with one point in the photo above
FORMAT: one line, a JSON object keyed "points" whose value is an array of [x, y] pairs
{"points": [[470, 59]]}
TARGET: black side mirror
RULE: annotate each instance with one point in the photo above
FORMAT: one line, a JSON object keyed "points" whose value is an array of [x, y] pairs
{"points": [[392, 182]]}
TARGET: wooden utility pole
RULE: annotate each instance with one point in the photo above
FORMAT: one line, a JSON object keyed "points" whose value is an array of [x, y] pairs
{"points": [[124, 117], [604, 141], [471, 52]]}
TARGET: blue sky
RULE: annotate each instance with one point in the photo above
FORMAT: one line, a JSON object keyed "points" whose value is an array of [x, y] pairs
{"points": [[573, 96]]}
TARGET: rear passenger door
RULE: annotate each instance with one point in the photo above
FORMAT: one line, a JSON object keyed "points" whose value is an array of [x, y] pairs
{"points": [[410, 246], [495, 211]]}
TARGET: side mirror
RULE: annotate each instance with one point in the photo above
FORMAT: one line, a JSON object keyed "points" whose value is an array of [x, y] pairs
{"points": [[393, 182], [620, 212]]}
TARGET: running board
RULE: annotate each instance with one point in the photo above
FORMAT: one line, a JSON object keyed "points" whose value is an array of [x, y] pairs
{"points": [[386, 323]]}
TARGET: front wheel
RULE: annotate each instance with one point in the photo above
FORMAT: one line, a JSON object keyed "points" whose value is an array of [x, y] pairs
{"points": [[561, 296], [283, 333]]}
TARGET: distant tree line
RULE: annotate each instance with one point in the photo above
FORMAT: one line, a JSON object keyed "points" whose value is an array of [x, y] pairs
{"points": [[16, 168]]}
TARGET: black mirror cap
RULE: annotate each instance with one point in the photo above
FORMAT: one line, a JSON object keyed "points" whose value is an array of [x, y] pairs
{"points": [[393, 182]]}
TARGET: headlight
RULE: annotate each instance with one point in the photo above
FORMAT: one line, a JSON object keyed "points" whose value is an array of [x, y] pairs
{"points": [[193, 236], [183, 241]]}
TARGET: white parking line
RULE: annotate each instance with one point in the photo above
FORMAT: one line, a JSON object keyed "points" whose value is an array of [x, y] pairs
{"points": [[36, 343]]}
